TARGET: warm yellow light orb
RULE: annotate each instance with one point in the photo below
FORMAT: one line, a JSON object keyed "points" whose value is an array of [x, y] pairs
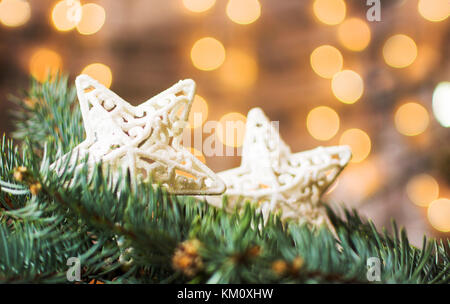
{"points": [[422, 189], [326, 61], [243, 11], [100, 72], [93, 17], [434, 10], [66, 14], [199, 112], [441, 103], [411, 119], [14, 12], [399, 51], [45, 63], [330, 12], [347, 86], [231, 129], [198, 6], [354, 34], [207, 54], [322, 123], [439, 214], [359, 142], [240, 69]]}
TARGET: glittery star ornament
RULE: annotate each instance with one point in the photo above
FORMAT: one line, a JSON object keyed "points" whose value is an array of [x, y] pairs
{"points": [[278, 180], [144, 139]]}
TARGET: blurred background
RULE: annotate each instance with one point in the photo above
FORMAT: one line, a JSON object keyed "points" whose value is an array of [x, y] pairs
{"points": [[321, 68]]}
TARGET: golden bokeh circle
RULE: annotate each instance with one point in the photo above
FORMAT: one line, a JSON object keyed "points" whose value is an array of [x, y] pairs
{"points": [[347, 86], [354, 34], [207, 54], [422, 189], [330, 12], [100, 72], [243, 11], [399, 51], [411, 119], [439, 214], [326, 61], [322, 123], [359, 142]]}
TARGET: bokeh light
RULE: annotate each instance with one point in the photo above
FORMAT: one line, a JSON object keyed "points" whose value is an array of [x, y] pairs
{"points": [[434, 10], [354, 34], [441, 103], [347, 86], [14, 13], [243, 11], [231, 129], [322, 123], [439, 214], [198, 6], [199, 112], [207, 54], [66, 14], [422, 189], [100, 72], [359, 142], [411, 119], [240, 69], [326, 61], [45, 63], [360, 180], [93, 17], [330, 12], [399, 51]]}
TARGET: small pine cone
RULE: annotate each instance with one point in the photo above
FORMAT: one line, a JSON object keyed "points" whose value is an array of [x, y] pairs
{"points": [[186, 258], [297, 264], [35, 188], [20, 173], [279, 267]]}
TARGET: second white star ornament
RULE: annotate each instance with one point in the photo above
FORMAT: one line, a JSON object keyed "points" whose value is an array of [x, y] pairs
{"points": [[278, 180]]}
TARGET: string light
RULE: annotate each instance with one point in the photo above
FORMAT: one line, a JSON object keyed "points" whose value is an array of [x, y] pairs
{"points": [[243, 11], [240, 69], [93, 17], [322, 123], [441, 103], [359, 142], [330, 12], [198, 6], [411, 119], [354, 34], [422, 189], [439, 214], [66, 14], [231, 129], [14, 13], [45, 63], [434, 10], [207, 54], [399, 51], [100, 72], [199, 112], [326, 61], [347, 86]]}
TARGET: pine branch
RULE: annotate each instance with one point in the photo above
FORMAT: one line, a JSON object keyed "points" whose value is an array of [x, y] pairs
{"points": [[134, 232]]}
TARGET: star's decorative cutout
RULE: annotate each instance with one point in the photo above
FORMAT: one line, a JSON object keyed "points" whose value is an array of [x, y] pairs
{"points": [[145, 139], [278, 180]]}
